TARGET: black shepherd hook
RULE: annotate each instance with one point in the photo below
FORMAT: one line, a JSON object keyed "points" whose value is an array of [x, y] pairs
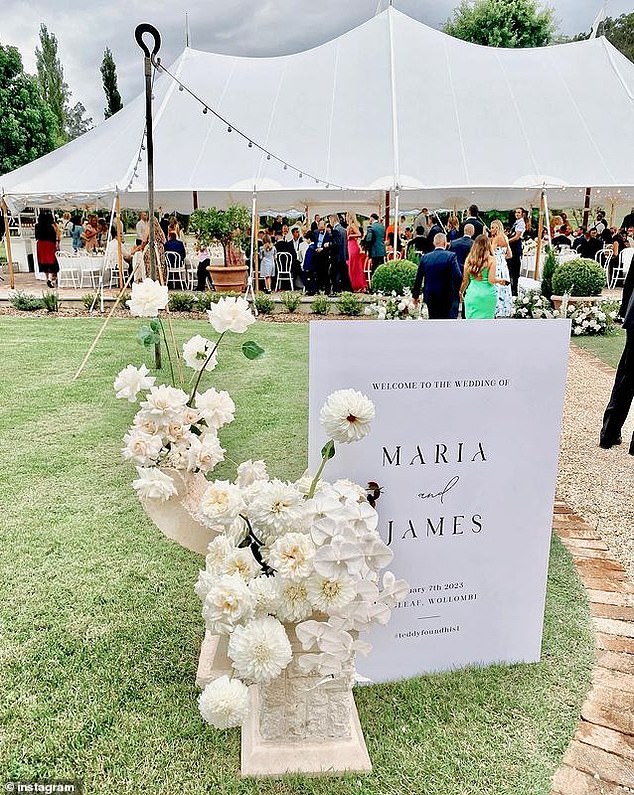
{"points": [[145, 27]]}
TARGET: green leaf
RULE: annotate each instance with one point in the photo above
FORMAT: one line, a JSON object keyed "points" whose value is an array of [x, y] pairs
{"points": [[328, 450], [148, 337], [155, 325], [251, 349]]}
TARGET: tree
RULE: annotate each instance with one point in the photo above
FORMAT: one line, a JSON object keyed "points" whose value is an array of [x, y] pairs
{"points": [[27, 125], [69, 122], [227, 227], [51, 78], [620, 33], [109, 77], [502, 23]]}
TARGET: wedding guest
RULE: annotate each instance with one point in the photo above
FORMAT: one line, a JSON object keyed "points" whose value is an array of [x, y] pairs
{"points": [[502, 252], [173, 226], [589, 245], [474, 220], [203, 277], [111, 257], [439, 275], [276, 226], [165, 224], [623, 390], [434, 229], [453, 228], [175, 245], [515, 242], [267, 262], [628, 221], [421, 221], [142, 229], [561, 237], [315, 224], [375, 242], [46, 247], [356, 257], [339, 257], [90, 233], [418, 241], [308, 263], [297, 252], [66, 225], [462, 245], [556, 222], [102, 233], [479, 281], [76, 233]]}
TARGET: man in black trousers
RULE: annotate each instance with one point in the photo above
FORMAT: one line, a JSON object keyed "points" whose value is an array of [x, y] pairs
{"points": [[623, 389]]}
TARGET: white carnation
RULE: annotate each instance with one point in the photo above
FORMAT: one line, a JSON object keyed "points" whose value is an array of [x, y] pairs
{"points": [[260, 650], [153, 484], [228, 601], [224, 702], [294, 604], [329, 595], [221, 503], [216, 408], [250, 471], [231, 314], [142, 448], [131, 380], [147, 298], [195, 353], [346, 416], [291, 555], [204, 453]]}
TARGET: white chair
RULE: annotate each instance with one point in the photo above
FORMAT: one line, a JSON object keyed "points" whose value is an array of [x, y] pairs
{"points": [[175, 269], [69, 273], [90, 269], [622, 267], [393, 256], [603, 258], [367, 270], [283, 263]]}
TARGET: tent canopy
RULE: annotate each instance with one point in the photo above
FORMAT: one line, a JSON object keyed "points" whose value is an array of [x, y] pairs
{"points": [[390, 103]]}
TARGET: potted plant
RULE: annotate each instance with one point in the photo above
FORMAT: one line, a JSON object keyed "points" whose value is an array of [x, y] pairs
{"points": [[582, 279], [230, 228]]}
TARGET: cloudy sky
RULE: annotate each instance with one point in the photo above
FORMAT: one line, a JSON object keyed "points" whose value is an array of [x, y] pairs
{"points": [[245, 27]]}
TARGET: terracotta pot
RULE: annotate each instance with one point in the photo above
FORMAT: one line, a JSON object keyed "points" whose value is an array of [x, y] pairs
{"points": [[232, 278]]}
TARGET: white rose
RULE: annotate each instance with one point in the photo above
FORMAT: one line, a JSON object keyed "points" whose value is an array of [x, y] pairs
{"points": [[195, 353], [228, 601], [165, 404], [147, 298], [250, 471], [153, 484], [204, 453], [142, 448], [221, 503], [231, 314], [291, 555], [216, 408], [131, 381]]}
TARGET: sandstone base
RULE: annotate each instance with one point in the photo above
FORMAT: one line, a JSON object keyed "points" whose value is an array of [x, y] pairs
{"points": [[268, 758], [213, 661]]}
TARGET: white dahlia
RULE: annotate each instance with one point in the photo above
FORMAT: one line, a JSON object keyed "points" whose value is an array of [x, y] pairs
{"points": [[228, 601], [131, 380], [294, 604], [153, 484], [204, 453], [142, 448], [231, 314], [275, 508], [250, 471], [224, 702], [195, 353], [331, 594], [221, 503], [291, 555], [216, 408], [260, 650], [267, 595], [242, 563], [346, 416]]}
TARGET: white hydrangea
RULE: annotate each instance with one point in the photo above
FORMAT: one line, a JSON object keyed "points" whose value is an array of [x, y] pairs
{"points": [[215, 407], [195, 353], [291, 555], [260, 650], [224, 702], [153, 484], [228, 602], [132, 380], [346, 416]]}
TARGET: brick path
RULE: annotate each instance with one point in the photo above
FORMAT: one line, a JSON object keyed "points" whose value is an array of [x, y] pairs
{"points": [[600, 758]]}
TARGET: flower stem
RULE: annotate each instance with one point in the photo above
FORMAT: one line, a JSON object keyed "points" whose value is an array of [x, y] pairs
{"points": [[167, 348], [190, 402], [313, 485]]}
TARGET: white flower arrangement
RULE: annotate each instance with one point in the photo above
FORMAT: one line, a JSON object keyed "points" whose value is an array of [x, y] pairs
{"points": [[174, 428], [532, 304], [591, 319], [306, 553], [396, 307], [529, 246]]}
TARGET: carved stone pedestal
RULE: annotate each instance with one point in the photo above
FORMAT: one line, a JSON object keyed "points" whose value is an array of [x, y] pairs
{"points": [[213, 661]]}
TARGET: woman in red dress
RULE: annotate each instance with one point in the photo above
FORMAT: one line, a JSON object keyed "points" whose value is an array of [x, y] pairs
{"points": [[356, 257], [46, 237]]}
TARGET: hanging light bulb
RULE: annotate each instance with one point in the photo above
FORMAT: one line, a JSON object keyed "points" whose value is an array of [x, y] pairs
{"points": [[250, 144], [268, 157], [300, 175], [229, 129], [285, 167], [205, 109], [180, 88], [143, 147]]}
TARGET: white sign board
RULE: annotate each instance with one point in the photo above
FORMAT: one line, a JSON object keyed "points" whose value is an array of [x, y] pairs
{"points": [[465, 445]]}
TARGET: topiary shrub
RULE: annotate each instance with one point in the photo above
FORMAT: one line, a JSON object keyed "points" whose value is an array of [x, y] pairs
{"points": [[394, 277], [349, 304], [550, 266], [321, 305], [263, 304], [181, 302], [578, 277], [291, 301]]}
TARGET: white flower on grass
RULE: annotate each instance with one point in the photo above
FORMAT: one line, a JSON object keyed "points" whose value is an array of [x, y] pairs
{"points": [[339, 557], [195, 353], [147, 298], [291, 555], [165, 404], [132, 380], [228, 601], [231, 314], [267, 595], [250, 471], [346, 416], [275, 508], [216, 408], [204, 453], [142, 448], [330, 595], [224, 703], [221, 503], [153, 484], [260, 650], [294, 605]]}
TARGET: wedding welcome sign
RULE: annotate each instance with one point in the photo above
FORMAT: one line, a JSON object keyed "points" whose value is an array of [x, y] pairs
{"points": [[464, 447]]}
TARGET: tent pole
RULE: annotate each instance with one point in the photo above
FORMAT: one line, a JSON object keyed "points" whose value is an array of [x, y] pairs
{"points": [[611, 218], [547, 218], [540, 232], [396, 198], [249, 291], [147, 71], [387, 208], [119, 250], [195, 199], [256, 258], [586, 208], [7, 238]]}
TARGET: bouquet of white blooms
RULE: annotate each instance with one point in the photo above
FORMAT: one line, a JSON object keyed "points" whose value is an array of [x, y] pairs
{"points": [[305, 553], [396, 307], [591, 319], [532, 304]]}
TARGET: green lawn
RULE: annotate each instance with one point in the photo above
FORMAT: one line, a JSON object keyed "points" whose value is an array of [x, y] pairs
{"points": [[608, 349], [100, 628]]}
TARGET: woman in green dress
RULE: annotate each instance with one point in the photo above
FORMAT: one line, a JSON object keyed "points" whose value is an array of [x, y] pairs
{"points": [[479, 280]]}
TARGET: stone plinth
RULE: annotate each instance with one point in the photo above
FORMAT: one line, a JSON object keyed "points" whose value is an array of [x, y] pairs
{"points": [[213, 661]]}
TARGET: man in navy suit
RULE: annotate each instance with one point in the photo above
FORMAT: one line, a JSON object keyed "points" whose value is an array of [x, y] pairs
{"points": [[441, 277], [461, 246], [623, 390], [339, 256], [321, 257]]}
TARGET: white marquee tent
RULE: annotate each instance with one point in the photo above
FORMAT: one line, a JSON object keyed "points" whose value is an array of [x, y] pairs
{"points": [[390, 103]]}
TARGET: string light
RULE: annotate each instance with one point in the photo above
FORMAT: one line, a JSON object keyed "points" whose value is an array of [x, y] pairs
{"points": [[250, 144], [205, 109], [229, 129], [180, 88]]}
